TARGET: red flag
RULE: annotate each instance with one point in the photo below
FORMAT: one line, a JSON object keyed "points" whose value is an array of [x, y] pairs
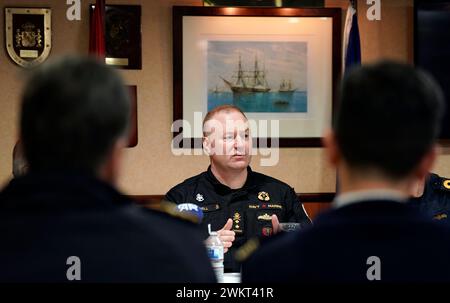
{"points": [[97, 31]]}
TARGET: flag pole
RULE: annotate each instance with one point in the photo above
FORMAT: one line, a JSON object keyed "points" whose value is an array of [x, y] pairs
{"points": [[97, 31]]}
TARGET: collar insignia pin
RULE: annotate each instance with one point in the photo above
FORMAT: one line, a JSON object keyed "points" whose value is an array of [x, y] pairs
{"points": [[446, 184]]}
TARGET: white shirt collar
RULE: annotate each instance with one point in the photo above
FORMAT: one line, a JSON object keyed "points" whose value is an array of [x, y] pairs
{"points": [[368, 195]]}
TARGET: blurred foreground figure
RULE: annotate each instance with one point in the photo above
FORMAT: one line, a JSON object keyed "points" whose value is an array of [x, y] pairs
{"points": [[383, 140], [64, 220]]}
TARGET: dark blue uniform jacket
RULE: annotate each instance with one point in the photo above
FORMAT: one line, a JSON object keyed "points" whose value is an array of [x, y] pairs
{"points": [[47, 218], [337, 248]]}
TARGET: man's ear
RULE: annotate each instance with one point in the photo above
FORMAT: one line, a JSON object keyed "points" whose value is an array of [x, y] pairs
{"points": [[206, 145], [331, 148], [110, 168], [426, 164]]}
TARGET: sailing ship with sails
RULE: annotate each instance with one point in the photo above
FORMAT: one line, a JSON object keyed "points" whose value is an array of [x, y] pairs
{"points": [[286, 87], [251, 81]]}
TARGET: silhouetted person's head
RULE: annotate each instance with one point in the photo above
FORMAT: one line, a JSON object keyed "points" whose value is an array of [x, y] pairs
{"points": [[387, 122], [75, 116]]}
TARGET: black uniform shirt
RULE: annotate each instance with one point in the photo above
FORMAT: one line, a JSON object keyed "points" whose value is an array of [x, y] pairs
{"points": [[250, 207], [435, 201]]}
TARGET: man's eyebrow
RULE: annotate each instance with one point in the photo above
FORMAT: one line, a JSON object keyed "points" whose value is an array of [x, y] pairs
{"points": [[244, 131]]}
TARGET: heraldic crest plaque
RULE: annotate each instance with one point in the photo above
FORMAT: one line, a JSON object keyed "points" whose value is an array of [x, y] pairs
{"points": [[28, 35], [122, 35]]}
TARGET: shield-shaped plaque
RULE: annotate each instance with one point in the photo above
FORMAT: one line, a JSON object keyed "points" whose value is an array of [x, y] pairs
{"points": [[28, 35]]}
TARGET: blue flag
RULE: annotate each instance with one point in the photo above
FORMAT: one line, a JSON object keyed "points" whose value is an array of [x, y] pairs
{"points": [[352, 45], [351, 48]]}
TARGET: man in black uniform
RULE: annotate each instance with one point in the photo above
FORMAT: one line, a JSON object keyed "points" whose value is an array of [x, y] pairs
{"points": [[64, 220], [238, 202], [432, 197]]}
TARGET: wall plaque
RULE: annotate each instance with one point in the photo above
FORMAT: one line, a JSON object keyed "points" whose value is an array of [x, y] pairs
{"points": [[28, 35]]}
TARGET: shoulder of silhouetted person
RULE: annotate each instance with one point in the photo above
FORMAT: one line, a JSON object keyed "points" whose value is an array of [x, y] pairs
{"points": [[47, 218]]}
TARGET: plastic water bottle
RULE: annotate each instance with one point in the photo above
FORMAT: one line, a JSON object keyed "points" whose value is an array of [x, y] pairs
{"points": [[214, 247]]}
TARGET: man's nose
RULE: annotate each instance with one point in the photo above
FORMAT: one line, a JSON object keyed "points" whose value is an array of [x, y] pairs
{"points": [[239, 143]]}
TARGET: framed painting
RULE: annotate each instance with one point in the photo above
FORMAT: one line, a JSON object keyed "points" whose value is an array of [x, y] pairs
{"points": [[278, 65]]}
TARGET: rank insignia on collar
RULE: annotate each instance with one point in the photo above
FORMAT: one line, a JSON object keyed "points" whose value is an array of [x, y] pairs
{"points": [[446, 184], [440, 216], [237, 225], [265, 217], [263, 196], [267, 231]]}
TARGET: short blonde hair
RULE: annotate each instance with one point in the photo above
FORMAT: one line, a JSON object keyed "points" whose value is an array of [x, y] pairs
{"points": [[227, 108]]}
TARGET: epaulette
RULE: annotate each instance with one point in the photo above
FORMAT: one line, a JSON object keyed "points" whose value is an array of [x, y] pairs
{"points": [[440, 216], [247, 249], [170, 208], [444, 184]]}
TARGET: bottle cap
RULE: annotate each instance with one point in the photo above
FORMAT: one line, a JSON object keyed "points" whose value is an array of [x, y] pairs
{"points": [[211, 233]]}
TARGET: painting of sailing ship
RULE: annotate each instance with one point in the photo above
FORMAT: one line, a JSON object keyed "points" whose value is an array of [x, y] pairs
{"points": [[286, 87], [258, 76], [249, 81]]}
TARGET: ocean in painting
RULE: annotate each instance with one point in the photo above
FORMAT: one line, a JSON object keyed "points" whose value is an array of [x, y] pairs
{"points": [[277, 102]]}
